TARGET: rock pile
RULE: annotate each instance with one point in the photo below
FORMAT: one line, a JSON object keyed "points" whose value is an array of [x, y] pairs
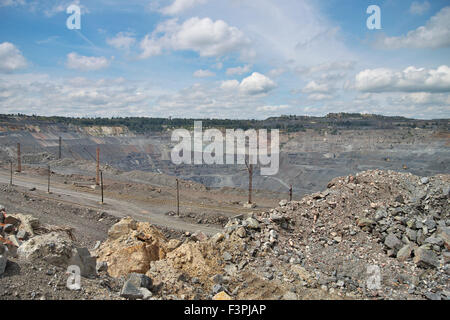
{"points": [[321, 247]]}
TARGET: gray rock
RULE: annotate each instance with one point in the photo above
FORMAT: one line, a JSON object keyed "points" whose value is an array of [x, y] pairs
{"points": [[226, 256], [424, 180], [102, 266], [146, 294], [393, 242], [3, 262], [140, 280], [290, 296], [217, 288], [130, 291], [433, 296], [217, 279], [252, 223], [411, 234], [426, 258], [283, 203], [404, 253], [434, 241]]}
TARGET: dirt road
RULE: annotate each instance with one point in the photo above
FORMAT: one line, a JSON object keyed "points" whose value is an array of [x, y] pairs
{"points": [[119, 208]]}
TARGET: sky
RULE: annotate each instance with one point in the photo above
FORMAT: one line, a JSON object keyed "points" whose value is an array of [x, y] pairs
{"points": [[238, 59]]}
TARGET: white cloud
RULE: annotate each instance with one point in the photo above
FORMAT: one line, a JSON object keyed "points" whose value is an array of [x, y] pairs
{"points": [[230, 85], [315, 87], [239, 70], [83, 63], [319, 97], [204, 74], [257, 84], [272, 108], [327, 67], [179, 6], [411, 79], [59, 7], [122, 40], [11, 59], [206, 37], [10, 3], [419, 8], [48, 95], [435, 34]]}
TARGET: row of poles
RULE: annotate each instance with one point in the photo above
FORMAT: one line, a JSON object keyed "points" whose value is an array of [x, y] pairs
{"points": [[99, 175]]}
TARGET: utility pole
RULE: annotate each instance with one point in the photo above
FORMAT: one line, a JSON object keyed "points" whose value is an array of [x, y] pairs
{"points": [[101, 179], [178, 197], [19, 159], [250, 181], [59, 150], [97, 180], [290, 193], [11, 176], [48, 184]]}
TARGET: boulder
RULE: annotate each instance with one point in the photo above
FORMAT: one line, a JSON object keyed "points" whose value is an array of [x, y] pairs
{"points": [[131, 246], [426, 258], [404, 253], [444, 234], [392, 242], [54, 248]]}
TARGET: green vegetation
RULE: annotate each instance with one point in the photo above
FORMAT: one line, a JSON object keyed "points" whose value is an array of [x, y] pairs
{"points": [[287, 123]]}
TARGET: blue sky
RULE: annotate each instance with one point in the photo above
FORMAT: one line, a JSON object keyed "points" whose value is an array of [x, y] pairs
{"points": [[225, 59]]}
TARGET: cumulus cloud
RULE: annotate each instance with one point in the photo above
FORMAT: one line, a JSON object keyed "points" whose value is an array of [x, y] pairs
{"points": [[419, 8], [239, 70], [179, 6], [11, 59], [206, 37], [83, 63], [122, 40], [204, 74], [435, 34], [257, 84], [230, 85], [411, 79], [315, 87]]}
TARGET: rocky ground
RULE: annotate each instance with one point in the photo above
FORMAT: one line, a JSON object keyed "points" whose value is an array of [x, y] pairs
{"points": [[329, 245]]}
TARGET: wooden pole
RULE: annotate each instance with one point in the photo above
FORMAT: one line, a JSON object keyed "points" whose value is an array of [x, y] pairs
{"points": [[97, 180], [11, 176], [59, 150], [19, 159], [48, 184], [101, 179], [250, 183], [178, 197], [290, 193]]}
